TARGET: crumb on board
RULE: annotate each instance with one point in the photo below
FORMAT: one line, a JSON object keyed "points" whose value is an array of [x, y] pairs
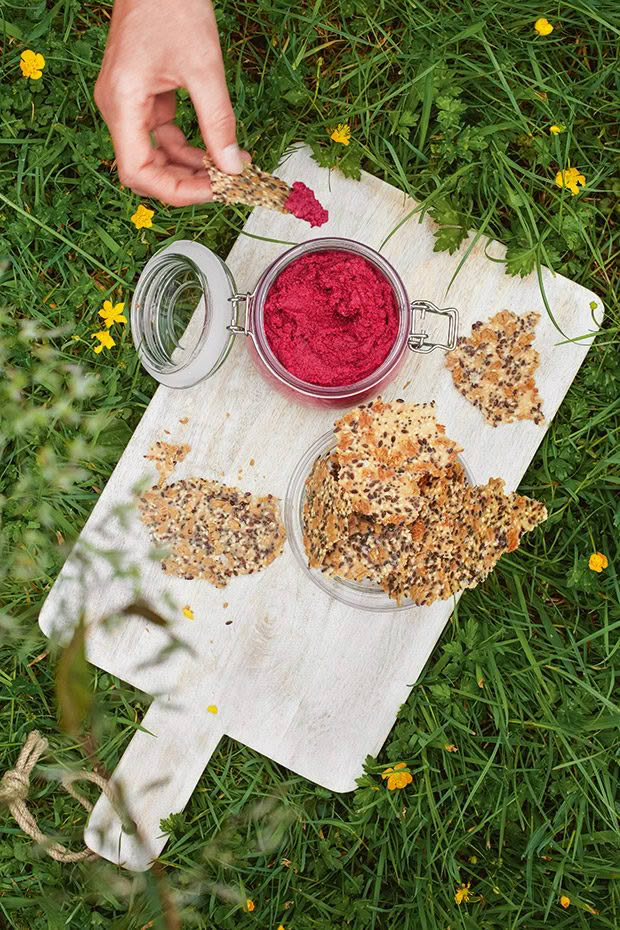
{"points": [[166, 456], [391, 504], [184, 420], [225, 604], [252, 463]]}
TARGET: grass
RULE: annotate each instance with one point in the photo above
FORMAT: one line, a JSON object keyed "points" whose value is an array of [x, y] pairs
{"points": [[452, 103]]}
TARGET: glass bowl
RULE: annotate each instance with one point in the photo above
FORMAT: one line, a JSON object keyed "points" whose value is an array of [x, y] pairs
{"points": [[363, 595]]}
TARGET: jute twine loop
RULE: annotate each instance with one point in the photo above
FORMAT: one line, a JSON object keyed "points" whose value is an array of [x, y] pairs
{"points": [[14, 793]]}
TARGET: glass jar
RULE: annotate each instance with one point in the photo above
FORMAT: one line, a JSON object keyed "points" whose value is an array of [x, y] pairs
{"points": [[186, 312], [364, 595]]}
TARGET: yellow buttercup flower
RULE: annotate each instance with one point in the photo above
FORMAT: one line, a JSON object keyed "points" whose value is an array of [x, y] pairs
{"points": [[31, 64], [112, 313], [543, 27], [212, 708], [565, 901], [249, 904], [556, 129], [105, 341], [397, 777], [598, 562], [188, 612], [570, 178], [143, 217], [463, 893], [342, 134]]}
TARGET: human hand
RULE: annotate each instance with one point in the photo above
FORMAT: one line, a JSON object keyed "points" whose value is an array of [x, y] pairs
{"points": [[153, 48]]}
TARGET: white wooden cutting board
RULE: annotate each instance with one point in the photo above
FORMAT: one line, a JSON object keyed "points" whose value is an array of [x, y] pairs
{"points": [[311, 683]]}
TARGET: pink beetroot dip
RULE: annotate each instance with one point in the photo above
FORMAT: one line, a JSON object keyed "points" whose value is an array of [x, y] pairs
{"points": [[302, 203], [331, 318]]}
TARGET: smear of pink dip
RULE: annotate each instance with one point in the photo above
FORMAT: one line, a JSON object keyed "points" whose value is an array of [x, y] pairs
{"points": [[302, 203], [331, 318]]}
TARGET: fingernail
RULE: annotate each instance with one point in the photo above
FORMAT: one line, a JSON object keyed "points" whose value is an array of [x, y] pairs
{"points": [[231, 160]]}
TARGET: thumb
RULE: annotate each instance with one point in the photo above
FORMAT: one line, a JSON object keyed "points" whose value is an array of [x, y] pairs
{"points": [[217, 120]]}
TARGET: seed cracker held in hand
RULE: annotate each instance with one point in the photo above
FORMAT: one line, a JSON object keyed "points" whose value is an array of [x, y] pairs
{"points": [[494, 368], [256, 188]]}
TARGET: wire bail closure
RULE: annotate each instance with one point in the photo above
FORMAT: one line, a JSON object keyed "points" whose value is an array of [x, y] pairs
{"points": [[419, 340], [235, 326]]}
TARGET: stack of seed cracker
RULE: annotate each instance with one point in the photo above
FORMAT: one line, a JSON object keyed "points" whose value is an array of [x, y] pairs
{"points": [[391, 504]]}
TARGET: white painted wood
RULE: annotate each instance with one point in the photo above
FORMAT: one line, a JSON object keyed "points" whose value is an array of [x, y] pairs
{"points": [[310, 683], [170, 727]]}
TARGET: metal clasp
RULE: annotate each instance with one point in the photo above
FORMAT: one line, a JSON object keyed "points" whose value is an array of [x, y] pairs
{"points": [[419, 340], [235, 326]]}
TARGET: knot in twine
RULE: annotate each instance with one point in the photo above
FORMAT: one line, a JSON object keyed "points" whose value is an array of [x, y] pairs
{"points": [[14, 788]]}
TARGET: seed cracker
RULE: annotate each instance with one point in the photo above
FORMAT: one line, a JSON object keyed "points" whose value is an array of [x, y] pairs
{"points": [[253, 187], [494, 368], [373, 553], [382, 552], [385, 450], [395, 434], [326, 512], [212, 531], [463, 543]]}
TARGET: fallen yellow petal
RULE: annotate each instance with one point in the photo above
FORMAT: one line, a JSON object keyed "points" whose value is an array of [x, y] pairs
{"points": [[212, 708], [188, 612]]}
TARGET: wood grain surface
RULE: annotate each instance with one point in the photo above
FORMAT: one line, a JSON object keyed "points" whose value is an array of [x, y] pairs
{"points": [[311, 683]]}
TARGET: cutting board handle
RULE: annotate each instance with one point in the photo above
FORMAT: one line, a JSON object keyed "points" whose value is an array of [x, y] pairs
{"points": [[155, 777]]}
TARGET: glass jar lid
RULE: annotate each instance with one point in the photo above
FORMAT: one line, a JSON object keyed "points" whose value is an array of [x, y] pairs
{"points": [[182, 314]]}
